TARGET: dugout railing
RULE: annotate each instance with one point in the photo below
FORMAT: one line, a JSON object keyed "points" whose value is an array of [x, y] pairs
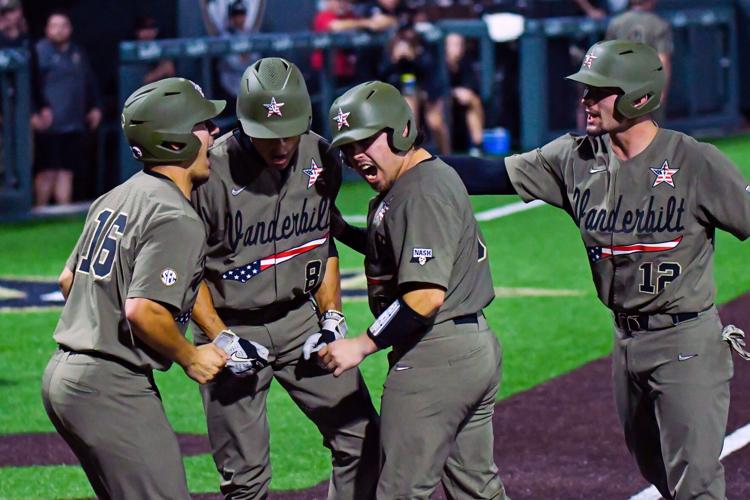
{"points": [[15, 134]]}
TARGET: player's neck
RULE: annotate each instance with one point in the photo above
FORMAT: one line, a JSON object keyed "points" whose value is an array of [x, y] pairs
{"points": [[413, 158], [632, 141], [180, 176]]}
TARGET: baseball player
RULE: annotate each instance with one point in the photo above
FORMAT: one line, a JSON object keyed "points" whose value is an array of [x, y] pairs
{"points": [[428, 281], [648, 202], [272, 280], [130, 284]]}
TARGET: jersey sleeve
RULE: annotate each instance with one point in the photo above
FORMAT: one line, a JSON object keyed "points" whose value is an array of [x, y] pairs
{"points": [[206, 203], [424, 234], [723, 194], [72, 261], [539, 174], [166, 263], [333, 164]]}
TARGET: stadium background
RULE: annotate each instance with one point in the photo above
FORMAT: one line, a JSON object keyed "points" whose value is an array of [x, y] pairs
{"points": [[546, 314]]}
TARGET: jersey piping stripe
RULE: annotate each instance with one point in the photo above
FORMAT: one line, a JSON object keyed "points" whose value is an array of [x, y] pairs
{"points": [[248, 271], [641, 247]]}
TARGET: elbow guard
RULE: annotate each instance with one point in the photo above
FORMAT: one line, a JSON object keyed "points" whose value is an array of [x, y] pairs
{"points": [[398, 323]]}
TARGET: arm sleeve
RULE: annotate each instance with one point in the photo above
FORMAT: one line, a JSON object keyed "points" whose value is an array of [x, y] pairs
{"points": [[177, 245], [482, 176], [424, 252], [538, 174], [723, 195]]}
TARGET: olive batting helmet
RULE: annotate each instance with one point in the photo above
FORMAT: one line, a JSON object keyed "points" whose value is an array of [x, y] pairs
{"points": [[158, 120], [273, 101], [633, 67], [368, 108]]}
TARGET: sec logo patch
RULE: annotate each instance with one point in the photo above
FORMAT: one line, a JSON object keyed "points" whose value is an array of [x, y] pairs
{"points": [[168, 277]]}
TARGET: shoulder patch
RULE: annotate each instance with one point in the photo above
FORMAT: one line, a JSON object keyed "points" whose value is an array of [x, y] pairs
{"points": [[168, 277], [421, 256]]}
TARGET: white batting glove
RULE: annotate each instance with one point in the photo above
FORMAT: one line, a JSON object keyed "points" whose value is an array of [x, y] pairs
{"points": [[332, 327], [245, 356]]}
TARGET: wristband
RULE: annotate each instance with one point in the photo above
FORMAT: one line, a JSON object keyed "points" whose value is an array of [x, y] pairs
{"points": [[398, 323]]}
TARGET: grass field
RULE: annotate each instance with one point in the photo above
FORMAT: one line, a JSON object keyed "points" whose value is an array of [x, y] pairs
{"points": [[542, 336]]}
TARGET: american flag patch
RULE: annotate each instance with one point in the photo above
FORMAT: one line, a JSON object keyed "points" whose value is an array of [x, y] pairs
{"points": [[245, 273], [597, 253]]}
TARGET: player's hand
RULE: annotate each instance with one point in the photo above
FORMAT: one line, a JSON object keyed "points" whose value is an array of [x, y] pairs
{"points": [[332, 328], [245, 356], [345, 354], [206, 362]]}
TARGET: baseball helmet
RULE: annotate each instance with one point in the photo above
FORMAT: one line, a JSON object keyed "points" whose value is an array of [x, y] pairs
{"points": [[633, 67], [368, 108], [158, 120], [273, 101]]}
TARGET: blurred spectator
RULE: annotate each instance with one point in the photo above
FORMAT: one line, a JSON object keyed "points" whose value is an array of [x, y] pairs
{"points": [[217, 19], [232, 66], [464, 87], [382, 15], [13, 29], [14, 34], [641, 24], [602, 8], [411, 68], [147, 30], [69, 86], [335, 16]]}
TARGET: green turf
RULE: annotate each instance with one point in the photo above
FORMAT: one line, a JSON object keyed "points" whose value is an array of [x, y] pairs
{"points": [[542, 337]]}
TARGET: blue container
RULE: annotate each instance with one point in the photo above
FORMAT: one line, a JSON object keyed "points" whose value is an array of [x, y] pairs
{"points": [[496, 141]]}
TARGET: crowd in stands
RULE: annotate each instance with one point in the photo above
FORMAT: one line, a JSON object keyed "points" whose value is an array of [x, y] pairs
{"points": [[67, 105]]}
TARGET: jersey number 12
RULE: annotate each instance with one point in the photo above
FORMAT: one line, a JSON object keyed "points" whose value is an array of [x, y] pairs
{"points": [[666, 273]]}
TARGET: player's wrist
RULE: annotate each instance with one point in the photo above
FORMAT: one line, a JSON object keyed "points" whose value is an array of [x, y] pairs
{"points": [[366, 345]]}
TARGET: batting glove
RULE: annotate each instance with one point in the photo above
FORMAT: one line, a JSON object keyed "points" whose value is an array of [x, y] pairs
{"points": [[332, 327], [245, 356]]}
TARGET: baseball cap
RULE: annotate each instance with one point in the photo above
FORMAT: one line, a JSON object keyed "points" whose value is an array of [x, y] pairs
{"points": [[237, 7]]}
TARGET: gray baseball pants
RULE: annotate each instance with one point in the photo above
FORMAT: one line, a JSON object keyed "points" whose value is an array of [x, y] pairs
{"points": [[113, 420], [340, 408], [436, 415], [672, 394]]}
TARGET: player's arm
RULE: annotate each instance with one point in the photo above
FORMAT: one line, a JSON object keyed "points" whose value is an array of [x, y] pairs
{"points": [[406, 318], [332, 321], [65, 282], [155, 326], [205, 315], [481, 175]]}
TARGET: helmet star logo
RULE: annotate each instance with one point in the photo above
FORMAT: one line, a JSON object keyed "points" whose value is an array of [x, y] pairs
{"points": [[664, 174], [273, 107], [341, 119], [588, 60], [313, 172]]}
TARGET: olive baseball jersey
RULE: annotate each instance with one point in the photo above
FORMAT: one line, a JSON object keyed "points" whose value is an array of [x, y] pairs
{"points": [[423, 231], [644, 27], [647, 223], [142, 239], [267, 230]]}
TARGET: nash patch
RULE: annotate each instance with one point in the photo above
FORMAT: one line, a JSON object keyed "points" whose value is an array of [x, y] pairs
{"points": [[313, 173], [421, 256]]}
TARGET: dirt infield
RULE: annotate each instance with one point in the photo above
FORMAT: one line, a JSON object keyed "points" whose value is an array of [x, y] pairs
{"points": [[559, 440]]}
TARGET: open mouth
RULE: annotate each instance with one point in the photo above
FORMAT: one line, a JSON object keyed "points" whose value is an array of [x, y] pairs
{"points": [[369, 171]]}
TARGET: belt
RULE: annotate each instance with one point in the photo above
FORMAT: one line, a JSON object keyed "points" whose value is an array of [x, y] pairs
{"points": [[108, 357], [640, 322], [263, 315], [466, 319]]}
